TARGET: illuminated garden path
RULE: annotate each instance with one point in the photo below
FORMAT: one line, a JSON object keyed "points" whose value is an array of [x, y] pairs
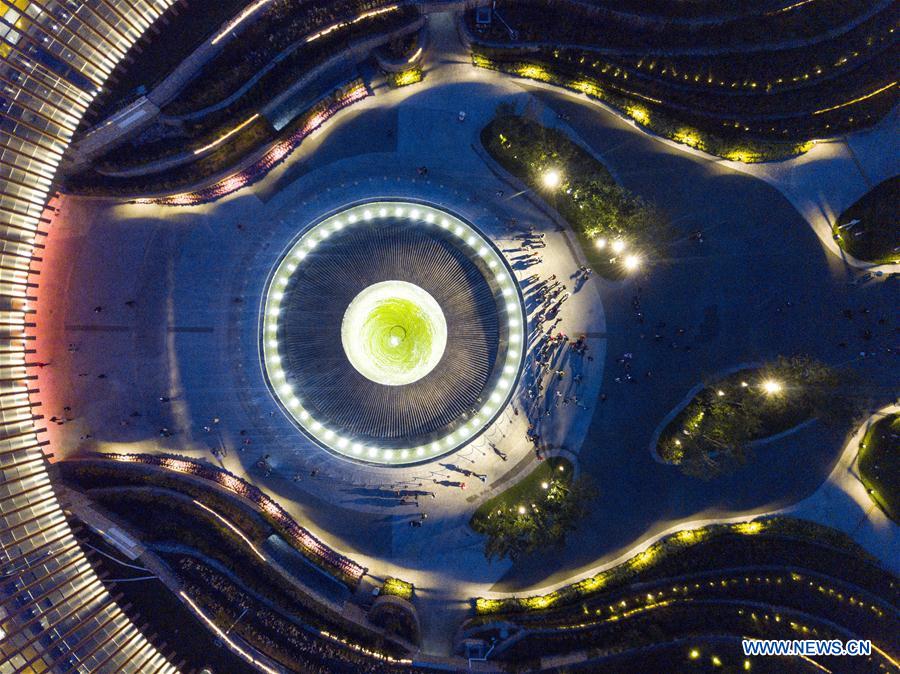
{"points": [[196, 277]]}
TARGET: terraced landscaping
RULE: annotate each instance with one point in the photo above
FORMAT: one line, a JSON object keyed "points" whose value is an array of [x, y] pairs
{"points": [[217, 555], [749, 86], [764, 579]]}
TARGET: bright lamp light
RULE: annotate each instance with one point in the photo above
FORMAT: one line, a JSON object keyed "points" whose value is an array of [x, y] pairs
{"points": [[551, 178], [771, 386], [632, 262]]}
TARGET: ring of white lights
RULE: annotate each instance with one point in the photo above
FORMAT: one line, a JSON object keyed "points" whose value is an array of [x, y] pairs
{"points": [[507, 295], [394, 333]]}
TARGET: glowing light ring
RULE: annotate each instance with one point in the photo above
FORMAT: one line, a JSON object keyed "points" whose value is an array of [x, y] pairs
{"points": [[508, 298]]}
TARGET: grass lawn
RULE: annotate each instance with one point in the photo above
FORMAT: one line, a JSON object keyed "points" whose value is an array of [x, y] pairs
{"points": [[615, 227], [879, 464], [527, 491], [876, 237]]}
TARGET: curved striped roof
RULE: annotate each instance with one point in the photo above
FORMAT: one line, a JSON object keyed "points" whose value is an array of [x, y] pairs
{"points": [[55, 615]]}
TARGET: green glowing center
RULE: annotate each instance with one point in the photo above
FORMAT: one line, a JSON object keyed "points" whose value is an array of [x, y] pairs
{"points": [[394, 333]]}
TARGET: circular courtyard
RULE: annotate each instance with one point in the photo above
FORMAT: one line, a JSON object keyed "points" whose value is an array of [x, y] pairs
{"points": [[451, 355], [392, 332]]}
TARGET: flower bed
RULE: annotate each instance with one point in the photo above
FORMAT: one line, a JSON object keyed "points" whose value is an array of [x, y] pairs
{"points": [[603, 215], [333, 562], [398, 588], [404, 78]]}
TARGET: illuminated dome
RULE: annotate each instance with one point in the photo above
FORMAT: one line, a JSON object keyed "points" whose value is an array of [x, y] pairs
{"points": [[392, 332]]}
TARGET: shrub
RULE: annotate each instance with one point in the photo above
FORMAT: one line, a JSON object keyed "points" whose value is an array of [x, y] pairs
{"points": [[398, 588], [587, 196]]}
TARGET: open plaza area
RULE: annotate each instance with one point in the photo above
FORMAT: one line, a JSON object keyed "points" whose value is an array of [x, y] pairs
{"points": [[362, 336]]}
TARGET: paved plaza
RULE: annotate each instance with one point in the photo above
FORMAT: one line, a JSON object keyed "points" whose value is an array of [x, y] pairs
{"points": [[149, 322]]}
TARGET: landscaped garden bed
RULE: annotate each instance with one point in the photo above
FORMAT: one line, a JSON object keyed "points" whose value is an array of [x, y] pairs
{"points": [[535, 513], [160, 53], [167, 522], [572, 22], [879, 464], [759, 542], [398, 588], [297, 639], [642, 111], [870, 229], [767, 578], [252, 131], [712, 433], [618, 231], [100, 474], [228, 154], [404, 77], [748, 97], [218, 81], [287, 25], [231, 70]]}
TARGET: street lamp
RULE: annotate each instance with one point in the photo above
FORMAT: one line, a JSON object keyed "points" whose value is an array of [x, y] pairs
{"points": [[551, 179], [618, 246], [771, 386], [632, 262], [600, 243]]}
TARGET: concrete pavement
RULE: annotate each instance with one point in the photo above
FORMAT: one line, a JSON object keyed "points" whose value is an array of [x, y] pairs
{"points": [[760, 285]]}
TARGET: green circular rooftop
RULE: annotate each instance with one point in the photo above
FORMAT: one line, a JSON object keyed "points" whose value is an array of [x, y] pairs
{"points": [[394, 333]]}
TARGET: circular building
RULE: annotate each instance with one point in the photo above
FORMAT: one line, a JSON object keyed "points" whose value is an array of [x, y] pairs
{"points": [[392, 332]]}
